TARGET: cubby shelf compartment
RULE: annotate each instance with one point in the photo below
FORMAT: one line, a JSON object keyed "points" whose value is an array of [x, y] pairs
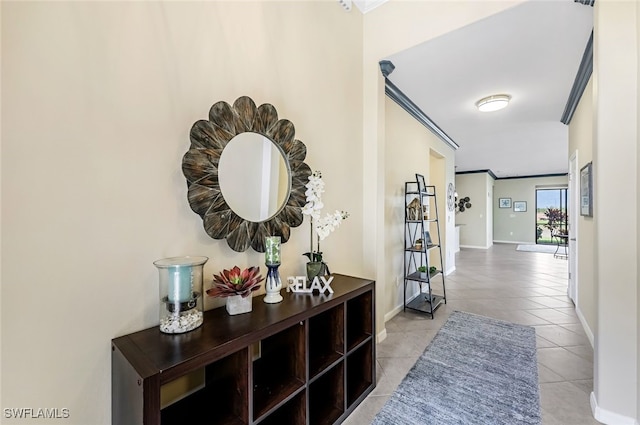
{"points": [[360, 375], [280, 370], [227, 373], [359, 319], [233, 384], [293, 412], [326, 397], [326, 339]]}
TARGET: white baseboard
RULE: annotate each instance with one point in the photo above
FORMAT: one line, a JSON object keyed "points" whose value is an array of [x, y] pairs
{"points": [[515, 243], [390, 315], [473, 247], [451, 270], [608, 417], [585, 325]]}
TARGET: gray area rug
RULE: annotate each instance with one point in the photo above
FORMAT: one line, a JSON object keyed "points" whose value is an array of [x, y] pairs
{"points": [[477, 370], [547, 249]]}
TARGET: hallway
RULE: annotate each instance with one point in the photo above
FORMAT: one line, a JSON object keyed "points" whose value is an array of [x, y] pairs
{"points": [[522, 287]]}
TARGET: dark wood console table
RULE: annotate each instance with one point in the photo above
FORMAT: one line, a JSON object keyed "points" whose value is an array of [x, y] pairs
{"points": [[307, 360]]}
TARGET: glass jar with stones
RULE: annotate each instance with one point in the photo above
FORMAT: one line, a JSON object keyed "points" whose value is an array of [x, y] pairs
{"points": [[181, 303]]}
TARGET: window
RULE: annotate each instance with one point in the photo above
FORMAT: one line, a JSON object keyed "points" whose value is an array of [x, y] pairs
{"points": [[551, 213]]}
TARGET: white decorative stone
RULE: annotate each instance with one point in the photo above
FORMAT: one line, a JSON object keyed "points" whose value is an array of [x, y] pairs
{"points": [[238, 305], [176, 323]]}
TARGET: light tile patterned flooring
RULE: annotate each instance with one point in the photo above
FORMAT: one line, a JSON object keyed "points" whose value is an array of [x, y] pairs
{"points": [[521, 287]]}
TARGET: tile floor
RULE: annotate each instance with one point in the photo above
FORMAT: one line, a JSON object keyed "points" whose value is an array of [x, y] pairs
{"points": [[522, 287]]}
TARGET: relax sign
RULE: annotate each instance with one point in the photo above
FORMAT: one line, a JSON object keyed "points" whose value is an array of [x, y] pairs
{"points": [[298, 284]]}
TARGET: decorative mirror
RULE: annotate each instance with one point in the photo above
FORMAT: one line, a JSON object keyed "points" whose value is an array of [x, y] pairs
{"points": [[246, 174]]}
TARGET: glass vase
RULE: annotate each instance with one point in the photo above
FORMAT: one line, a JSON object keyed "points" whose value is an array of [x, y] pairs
{"points": [[181, 303]]}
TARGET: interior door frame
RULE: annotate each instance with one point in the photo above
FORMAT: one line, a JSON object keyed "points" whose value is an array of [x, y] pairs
{"points": [[574, 207]]}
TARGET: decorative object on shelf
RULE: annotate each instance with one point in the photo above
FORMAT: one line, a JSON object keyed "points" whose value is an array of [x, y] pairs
{"points": [[180, 293], [427, 238], [418, 244], [273, 283], [211, 169], [520, 206], [504, 202], [298, 284], [463, 204], [432, 269], [413, 209], [236, 286], [451, 195], [586, 191], [323, 226], [423, 272]]}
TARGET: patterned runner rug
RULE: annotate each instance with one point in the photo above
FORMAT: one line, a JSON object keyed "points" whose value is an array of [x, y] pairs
{"points": [[477, 370]]}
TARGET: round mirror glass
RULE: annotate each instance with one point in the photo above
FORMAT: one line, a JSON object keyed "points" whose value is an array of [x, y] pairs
{"points": [[254, 177]]}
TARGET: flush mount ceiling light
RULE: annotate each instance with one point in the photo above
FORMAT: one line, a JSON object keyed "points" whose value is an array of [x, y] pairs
{"points": [[493, 103]]}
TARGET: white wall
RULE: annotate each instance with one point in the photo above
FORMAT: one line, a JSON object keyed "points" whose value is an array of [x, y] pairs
{"points": [[519, 227], [97, 103]]}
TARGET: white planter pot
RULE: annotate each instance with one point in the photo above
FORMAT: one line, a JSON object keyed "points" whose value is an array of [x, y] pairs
{"points": [[238, 305]]}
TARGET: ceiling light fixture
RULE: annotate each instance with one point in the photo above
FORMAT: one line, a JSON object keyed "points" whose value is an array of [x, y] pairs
{"points": [[493, 103]]}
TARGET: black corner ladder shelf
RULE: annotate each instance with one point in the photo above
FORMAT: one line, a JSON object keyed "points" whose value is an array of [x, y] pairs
{"points": [[418, 286]]}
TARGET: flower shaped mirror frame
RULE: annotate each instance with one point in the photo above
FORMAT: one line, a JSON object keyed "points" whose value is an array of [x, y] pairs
{"points": [[200, 166]]}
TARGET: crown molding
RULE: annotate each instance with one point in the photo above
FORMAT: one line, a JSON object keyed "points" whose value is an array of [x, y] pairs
{"points": [[580, 83], [368, 5], [395, 94]]}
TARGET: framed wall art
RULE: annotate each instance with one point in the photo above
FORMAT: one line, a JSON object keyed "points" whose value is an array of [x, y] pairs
{"points": [[520, 206], [504, 202], [586, 191]]}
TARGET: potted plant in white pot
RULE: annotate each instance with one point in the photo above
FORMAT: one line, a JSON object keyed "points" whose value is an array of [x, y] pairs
{"points": [[236, 286], [423, 272]]}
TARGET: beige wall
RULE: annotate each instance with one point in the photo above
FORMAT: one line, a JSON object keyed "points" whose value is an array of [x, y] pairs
{"points": [[519, 227], [475, 224], [97, 103], [581, 143], [411, 152], [615, 164]]}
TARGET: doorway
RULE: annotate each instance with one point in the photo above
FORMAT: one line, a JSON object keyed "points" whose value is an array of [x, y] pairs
{"points": [[551, 213]]}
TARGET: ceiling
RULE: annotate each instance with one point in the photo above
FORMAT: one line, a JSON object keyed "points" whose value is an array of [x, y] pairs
{"points": [[532, 52]]}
